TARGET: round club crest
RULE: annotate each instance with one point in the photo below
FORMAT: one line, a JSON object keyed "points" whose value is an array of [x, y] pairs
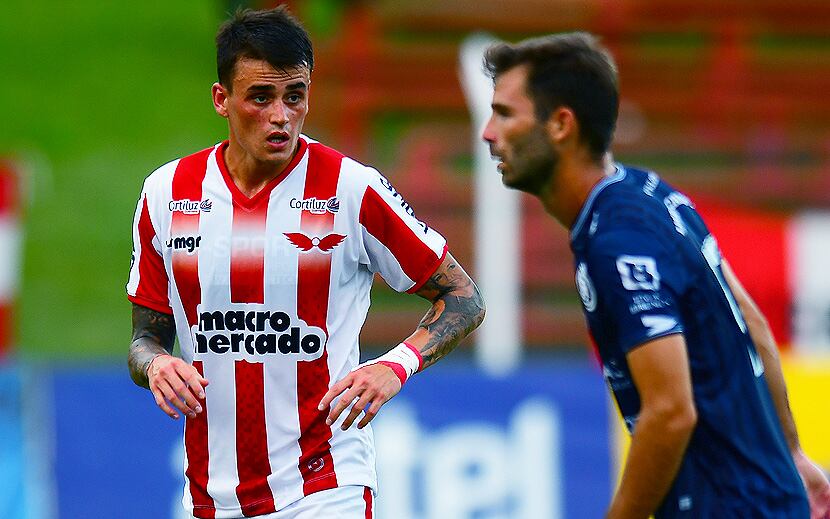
{"points": [[586, 288]]}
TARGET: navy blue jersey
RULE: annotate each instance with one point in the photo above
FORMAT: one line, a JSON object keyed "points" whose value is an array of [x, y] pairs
{"points": [[647, 267]]}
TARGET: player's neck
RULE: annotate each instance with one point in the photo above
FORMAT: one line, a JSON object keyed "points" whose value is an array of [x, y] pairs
{"points": [[249, 174], [571, 185]]}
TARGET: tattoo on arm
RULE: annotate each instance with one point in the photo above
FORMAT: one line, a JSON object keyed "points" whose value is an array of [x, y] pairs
{"points": [[457, 309], [153, 334]]}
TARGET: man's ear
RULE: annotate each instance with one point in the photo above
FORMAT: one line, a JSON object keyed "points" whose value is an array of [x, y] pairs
{"points": [[562, 124], [220, 99]]}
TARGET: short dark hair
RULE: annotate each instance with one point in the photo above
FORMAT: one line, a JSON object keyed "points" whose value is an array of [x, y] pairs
{"points": [[567, 69], [273, 35]]}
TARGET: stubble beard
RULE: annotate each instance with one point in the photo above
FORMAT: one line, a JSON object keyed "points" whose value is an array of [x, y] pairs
{"points": [[533, 164]]}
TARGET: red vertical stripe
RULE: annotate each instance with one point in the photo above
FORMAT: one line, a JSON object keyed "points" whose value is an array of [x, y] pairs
{"points": [[248, 254], [187, 185], [247, 279], [9, 211], [417, 260], [252, 462], [5, 327], [316, 464], [195, 441], [9, 192], [367, 498]]}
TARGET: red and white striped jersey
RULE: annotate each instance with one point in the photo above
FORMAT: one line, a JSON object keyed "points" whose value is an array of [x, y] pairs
{"points": [[269, 294]]}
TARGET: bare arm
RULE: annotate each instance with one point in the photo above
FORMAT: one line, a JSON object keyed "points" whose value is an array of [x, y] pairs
{"points": [[660, 369], [457, 309], [153, 335], [152, 365], [818, 488]]}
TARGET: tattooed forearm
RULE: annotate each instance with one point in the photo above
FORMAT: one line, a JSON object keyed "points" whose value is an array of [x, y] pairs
{"points": [[153, 334], [457, 309]]}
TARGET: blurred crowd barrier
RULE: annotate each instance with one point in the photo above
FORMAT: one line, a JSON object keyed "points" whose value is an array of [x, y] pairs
{"points": [[542, 442], [782, 261], [10, 238], [726, 100]]}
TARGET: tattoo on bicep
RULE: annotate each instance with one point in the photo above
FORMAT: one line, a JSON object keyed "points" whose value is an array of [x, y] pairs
{"points": [[457, 310], [153, 334]]}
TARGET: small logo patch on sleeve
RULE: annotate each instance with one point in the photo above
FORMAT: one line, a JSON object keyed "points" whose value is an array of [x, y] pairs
{"points": [[638, 272]]}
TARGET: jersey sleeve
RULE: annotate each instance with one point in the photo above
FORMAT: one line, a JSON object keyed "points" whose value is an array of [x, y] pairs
{"points": [[638, 283], [404, 250], [148, 282]]}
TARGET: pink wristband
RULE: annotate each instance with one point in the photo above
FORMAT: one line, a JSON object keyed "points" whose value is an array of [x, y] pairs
{"points": [[417, 354], [397, 368], [404, 359]]}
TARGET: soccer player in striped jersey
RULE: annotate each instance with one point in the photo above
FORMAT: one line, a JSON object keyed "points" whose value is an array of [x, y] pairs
{"points": [[259, 254], [687, 354]]}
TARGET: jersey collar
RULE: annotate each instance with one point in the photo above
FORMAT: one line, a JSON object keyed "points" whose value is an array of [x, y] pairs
{"points": [[238, 197], [618, 175]]}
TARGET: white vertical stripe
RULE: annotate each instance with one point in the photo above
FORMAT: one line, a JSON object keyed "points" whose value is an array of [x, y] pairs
{"points": [[386, 264], [222, 464], [157, 190], [187, 496], [135, 278], [348, 304], [10, 239], [215, 228], [282, 420], [221, 409], [809, 237], [497, 225]]}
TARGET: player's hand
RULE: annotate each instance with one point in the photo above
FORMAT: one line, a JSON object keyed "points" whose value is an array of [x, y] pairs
{"points": [[177, 383], [818, 488], [372, 386]]}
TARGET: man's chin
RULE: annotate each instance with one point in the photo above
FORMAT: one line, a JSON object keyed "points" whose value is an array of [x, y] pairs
{"points": [[276, 158], [510, 181], [519, 184]]}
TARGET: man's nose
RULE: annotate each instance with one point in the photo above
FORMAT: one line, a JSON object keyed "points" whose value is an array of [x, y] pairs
{"points": [[279, 113], [488, 133]]}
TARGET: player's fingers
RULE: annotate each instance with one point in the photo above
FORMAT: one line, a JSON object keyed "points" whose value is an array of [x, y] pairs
{"points": [[340, 386], [187, 395], [191, 376], [173, 393], [345, 400], [194, 383], [357, 408], [370, 413], [162, 403]]}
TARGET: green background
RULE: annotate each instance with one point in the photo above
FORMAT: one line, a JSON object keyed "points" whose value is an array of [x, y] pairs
{"points": [[95, 96]]}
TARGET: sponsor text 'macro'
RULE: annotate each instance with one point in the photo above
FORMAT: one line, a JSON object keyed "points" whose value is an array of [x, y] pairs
{"points": [[257, 332]]}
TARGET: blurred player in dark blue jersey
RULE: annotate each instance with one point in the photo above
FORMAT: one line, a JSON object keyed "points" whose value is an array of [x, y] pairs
{"points": [[690, 359]]}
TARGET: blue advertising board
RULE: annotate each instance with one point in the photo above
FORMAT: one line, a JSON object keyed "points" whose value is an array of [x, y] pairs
{"points": [[114, 449], [454, 444], [458, 444], [12, 447]]}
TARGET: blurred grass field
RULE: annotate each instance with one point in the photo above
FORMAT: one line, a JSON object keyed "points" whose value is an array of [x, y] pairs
{"points": [[96, 96]]}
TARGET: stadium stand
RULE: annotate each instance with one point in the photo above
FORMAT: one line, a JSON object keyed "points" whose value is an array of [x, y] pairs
{"points": [[728, 100]]}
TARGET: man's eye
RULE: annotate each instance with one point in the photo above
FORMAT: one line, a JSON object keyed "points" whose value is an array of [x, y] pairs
{"points": [[294, 98], [260, 99]]}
